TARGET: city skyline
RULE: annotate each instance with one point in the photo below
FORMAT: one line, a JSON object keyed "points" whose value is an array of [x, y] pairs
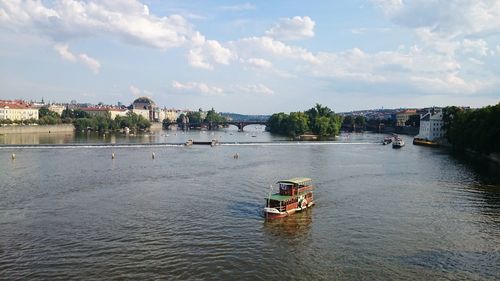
{"points": [[254, 57]]}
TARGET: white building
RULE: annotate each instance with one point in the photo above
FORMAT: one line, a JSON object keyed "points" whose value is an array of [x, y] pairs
{"points": [[17, 110], [111, 112], [431, 125]]}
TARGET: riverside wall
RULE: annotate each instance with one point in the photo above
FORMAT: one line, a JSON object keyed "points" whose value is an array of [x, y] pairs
{"points": [[62, 128]]}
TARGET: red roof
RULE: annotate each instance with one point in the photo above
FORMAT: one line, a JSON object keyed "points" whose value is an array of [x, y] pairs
{"points": [[102, 109], [14, 104]]}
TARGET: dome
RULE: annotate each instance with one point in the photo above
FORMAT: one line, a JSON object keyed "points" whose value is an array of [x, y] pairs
{"points": [[144, 101]]}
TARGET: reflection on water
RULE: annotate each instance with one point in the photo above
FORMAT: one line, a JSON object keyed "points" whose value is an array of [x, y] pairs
{"points": [[295, 226], [38, 138]]}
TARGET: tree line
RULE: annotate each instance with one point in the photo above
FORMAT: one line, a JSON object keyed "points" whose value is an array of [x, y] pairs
{"points": [[84, 121], [474, 129], [195, 117], [319, 120]]}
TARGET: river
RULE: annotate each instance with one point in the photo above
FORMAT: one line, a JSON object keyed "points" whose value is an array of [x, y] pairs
{"points": [[193, 213]]}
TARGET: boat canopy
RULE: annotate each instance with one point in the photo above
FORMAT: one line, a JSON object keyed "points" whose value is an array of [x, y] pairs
{"points": [[279, 197], [297, 181]]}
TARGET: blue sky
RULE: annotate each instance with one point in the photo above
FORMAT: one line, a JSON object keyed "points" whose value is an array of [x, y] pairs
{"points": [[254, 57]]}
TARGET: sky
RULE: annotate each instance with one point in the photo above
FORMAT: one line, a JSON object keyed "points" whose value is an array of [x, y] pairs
{"points": [[254, 57]]}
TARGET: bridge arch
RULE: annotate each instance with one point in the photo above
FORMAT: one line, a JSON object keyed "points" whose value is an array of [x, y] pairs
{"points": [[242, 124]]}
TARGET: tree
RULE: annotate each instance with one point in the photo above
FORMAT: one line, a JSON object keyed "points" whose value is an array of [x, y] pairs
{"points": [[360, 121], [275, 123], [348, 121], [297, 123], [180, 119], [44, 111], [476, 130], [214, 117], [319, 120], [194, 117]]}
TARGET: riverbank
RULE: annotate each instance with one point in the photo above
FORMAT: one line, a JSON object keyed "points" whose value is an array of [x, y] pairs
{"points": [[21, 129], [60, 128]]}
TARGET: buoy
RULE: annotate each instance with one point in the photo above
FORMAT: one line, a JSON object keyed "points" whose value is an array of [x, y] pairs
{"points": [[113, 155], [13, 156], [153, 155]]}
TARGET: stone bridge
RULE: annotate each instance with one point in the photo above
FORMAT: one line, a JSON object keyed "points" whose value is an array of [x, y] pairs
{"points": [[242, 124], [210, 126]]}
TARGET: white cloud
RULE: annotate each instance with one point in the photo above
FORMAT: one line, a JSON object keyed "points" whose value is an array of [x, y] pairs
{"points": [[199, 88], [129, 20], [268, 47], [259, 89], [238, 8], [450, 83], [258, 63], [63, 51], [362, 30], [295, 28], [205, 53], [479, 47], [450, 18], [134, 90], [89, 62], [424, 70], [196, 59]]}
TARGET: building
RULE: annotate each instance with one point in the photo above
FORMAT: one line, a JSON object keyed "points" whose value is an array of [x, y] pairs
{"points": [[112, 112], [403, 116], [17, 110], [171, 114], [431, 125], [147, 108], [58, 108]]}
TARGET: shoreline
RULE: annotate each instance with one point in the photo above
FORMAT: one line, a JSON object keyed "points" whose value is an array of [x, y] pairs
{"points": [[28, 129], [59, 128]]}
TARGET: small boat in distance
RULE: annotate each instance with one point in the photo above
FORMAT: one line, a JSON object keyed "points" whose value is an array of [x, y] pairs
{"points": [[294, 195], [387, 140], [398, 142]]}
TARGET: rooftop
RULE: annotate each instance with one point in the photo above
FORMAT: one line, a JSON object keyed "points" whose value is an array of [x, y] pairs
{"points": [[298, 180]]}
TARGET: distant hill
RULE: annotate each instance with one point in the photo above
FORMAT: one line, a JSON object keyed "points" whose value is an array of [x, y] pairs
{"points": [[242, 117]]}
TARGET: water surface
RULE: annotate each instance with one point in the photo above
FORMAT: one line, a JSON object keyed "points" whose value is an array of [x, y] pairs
{"points": [[193, 213]]}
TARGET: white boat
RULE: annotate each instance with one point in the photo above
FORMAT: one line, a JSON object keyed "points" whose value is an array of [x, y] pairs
{"points": [[398, 143]]}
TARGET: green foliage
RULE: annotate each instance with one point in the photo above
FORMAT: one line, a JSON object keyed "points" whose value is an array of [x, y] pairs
{"points": [[194, 117], [180, 118], [74, 113], [296, 124], [214, 117], [100, 123], [49, 120], [5, 121], [348, 121], [478, 129], [48, 117], [276, 124], [360, 121], [318, 120]]}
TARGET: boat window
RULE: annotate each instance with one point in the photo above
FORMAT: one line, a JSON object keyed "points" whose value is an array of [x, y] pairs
{"points": [[284, 186]]}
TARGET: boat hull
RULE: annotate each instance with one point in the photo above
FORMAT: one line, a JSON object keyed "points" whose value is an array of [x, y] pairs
{"points": [[425, 142], [273, 213]]}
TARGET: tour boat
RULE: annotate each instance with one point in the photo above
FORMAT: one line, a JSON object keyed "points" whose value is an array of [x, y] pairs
{"points": [[387, 140], [398, 142], [294, 195]]}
